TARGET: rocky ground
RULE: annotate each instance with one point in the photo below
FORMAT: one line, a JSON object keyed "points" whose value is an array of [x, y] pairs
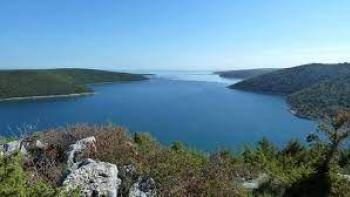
{"points": [[109, 161], [91, 177]]}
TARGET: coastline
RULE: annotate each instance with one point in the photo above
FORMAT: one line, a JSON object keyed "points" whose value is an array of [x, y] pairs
{"points": [[62, 95], [290, 109], [47, 96], [295, 113]]}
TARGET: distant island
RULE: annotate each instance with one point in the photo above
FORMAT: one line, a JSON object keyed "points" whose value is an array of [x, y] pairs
{"points": [[312, 90], [39, 83], [244, 73]]}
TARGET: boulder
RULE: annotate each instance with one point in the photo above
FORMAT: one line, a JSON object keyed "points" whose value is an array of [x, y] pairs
{"points": [[33, 144], [76, 150], [12, 147], [144, 187], [94, 178], [38, 144], [255, 183]]}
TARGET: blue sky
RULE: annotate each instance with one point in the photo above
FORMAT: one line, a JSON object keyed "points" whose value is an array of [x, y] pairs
{"points": [[172, 34]]}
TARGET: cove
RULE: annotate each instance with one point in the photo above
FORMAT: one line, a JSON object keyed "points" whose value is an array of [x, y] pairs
{"points": [[203, 114]]}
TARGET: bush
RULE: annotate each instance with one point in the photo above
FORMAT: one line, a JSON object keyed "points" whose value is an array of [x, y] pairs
{"points": [[177, 170], [14, 181]]}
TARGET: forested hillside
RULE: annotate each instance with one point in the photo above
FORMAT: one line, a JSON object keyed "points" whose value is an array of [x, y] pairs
{"points": [[326, 97], [245, 73], [312, 90], [22, 83], [86, 76], [290, 80]]}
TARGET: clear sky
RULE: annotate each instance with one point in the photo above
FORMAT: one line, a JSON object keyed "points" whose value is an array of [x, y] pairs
{"points": [[172, 34]]}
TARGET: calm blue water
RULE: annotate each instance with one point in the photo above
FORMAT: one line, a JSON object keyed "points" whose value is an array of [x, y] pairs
{"points": [[202, 113]]}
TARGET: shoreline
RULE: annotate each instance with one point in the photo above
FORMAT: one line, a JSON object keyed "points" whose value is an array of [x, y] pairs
{"points": [[46, 97], [295, 113], [62, 95]]}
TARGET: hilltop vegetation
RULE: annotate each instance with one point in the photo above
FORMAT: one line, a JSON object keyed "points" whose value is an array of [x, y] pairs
{"points": [[24, 83], [88, 76], [326, 97], [317, 169], [312, 90], [289, 80], [244, 73]]}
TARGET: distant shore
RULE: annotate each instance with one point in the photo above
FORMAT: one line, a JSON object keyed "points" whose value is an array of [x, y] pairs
{"points": [[46, 97], [295, 113]]}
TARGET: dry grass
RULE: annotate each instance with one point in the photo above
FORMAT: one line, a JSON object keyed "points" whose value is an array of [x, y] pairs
{"points": [[177, 170]]}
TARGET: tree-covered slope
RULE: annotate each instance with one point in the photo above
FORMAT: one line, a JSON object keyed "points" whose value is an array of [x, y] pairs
{"points": [[86, 76], [290, 80], [23, 83], [245, 73], [313, 90], [324, 98]]}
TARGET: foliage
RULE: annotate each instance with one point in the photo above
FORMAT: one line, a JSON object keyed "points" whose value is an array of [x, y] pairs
{"points": [[245, 73], [177, 170], [22, 83], [290, 80], [14, 181], [313, 90], [327, 97], [297, 170]]}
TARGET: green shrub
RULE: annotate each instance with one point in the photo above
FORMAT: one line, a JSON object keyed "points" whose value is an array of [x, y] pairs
{"points": [[14, 181]]}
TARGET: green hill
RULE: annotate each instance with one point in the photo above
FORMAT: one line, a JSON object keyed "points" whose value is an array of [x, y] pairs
{"points": [[86, 76], [290, 80], [24, 83], [326, 97], [244, 73], [312, 90]]}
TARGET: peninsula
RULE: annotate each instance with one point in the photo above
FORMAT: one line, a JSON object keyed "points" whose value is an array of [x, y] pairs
{"points": [[42, 83], [311, 90]]}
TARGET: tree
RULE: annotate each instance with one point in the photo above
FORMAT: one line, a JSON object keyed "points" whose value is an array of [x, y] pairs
{"points": [[334, 132]]}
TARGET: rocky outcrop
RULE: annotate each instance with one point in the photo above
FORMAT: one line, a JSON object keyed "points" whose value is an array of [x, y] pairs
{"points": [[12, 147], [38, 144], [255, 183], [76, 150], [94, 178], [21, 145], [144, 187]]}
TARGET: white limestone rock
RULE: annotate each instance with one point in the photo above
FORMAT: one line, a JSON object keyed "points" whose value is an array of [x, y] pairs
{"points": [[12, 147], [94, 178], [38, 144], [255, 183], [75, 150]]}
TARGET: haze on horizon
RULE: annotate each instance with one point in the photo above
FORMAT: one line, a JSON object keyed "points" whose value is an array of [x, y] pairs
{"points": [[175, 35]]}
